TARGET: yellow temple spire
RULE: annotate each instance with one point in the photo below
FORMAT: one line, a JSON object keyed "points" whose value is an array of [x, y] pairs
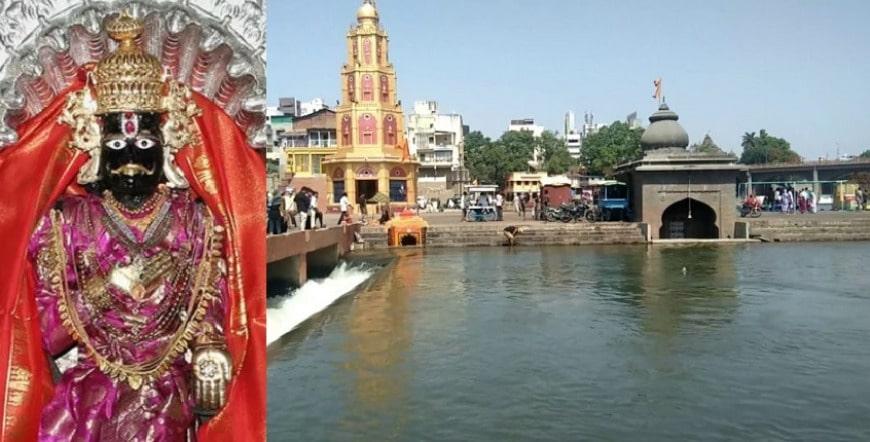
{"points": [[371, 154]]}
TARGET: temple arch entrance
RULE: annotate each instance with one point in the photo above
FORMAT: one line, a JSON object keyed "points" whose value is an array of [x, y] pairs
{"points": [[688, 218]]}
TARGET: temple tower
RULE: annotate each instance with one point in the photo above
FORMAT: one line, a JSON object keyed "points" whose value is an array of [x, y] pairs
{"points": [[372, 155]]}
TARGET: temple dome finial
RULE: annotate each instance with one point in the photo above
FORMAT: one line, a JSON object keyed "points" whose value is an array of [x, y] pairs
{"points": [[664, 131], [367, 11]]}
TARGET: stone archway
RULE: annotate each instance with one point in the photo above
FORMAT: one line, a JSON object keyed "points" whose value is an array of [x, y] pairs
{"points": [[689, 218]]}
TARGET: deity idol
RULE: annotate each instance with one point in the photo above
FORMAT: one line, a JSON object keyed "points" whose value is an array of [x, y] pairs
{"points": [[137, 267]]}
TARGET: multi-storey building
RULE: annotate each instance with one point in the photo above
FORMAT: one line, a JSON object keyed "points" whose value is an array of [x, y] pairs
{"points": [[437, 141], [573, 142], [528, 125], [296, 108], [522, 183], [311, 139]]}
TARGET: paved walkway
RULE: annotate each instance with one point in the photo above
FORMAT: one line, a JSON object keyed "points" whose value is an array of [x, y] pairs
{"points": [[454, 217]]}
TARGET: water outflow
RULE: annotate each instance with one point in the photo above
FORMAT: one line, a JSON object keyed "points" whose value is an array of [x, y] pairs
{"points": [[287, 312]]}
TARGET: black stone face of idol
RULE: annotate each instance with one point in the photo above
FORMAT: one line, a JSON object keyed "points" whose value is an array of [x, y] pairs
{"points": [[132, 164]]}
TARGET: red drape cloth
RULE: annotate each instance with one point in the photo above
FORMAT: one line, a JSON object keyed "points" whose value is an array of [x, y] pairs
{"points": [[224, 171]]}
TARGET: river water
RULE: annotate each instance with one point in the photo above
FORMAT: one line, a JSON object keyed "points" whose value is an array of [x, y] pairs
{"points": [[744, 342]]}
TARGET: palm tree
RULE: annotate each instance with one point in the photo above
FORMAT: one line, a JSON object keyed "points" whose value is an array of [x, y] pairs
{"points": [[748, 140]]}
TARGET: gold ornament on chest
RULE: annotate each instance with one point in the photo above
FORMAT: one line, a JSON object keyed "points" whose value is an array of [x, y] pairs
{"points": [[142, 276]]}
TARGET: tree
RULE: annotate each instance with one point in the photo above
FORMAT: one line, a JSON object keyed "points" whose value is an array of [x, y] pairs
{"points": [[862, 179], [865, 154], [610, 147], [706, 146], [763, 148], [555, 154], [475, 143], [491, 161]]}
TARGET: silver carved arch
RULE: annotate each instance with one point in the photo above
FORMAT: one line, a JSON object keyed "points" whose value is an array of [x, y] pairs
{"points": [[217, 47]]}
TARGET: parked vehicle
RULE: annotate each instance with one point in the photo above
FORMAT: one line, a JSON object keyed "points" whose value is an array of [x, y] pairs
{"points": [[594, 213], [752, 212], [481, 202], [554, 214]]}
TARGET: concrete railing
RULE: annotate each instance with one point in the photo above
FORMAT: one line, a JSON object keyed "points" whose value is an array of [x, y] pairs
{"points": [[295, 255]]}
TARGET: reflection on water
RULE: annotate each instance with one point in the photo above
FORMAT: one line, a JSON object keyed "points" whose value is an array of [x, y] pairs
{"points": [[378, 337], [679, 285], [613, 343]]}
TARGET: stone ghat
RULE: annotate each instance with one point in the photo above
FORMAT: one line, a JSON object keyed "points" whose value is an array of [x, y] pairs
{"points": [[811, 228], [537, 234]]}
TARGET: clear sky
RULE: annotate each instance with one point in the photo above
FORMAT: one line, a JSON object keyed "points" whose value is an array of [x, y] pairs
{"points": [[800, 69]]}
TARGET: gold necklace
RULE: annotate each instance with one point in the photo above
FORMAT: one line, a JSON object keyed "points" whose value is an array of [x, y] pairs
{"points": [[53, 261], [155, 200]]}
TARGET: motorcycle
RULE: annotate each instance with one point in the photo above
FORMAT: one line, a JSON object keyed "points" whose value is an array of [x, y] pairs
{"points": [[750, 211], [593, 214], [554, 214]]}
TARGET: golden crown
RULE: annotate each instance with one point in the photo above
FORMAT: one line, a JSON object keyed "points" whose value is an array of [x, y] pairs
{"points": [[129, 80]]}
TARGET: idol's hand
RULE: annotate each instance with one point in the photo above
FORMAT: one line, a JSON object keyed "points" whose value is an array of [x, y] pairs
{"points": [[212, 369]]}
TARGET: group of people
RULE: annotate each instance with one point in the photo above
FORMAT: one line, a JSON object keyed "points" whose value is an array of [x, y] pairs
{"points": [[525, 203], [789, 200], [283, 207], [483, 200], [531, 204]]}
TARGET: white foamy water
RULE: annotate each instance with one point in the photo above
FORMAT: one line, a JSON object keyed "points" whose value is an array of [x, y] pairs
{"points": [[287, 312]]}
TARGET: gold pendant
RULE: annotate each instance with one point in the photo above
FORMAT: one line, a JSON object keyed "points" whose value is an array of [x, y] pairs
{"points": [[129, 278]]}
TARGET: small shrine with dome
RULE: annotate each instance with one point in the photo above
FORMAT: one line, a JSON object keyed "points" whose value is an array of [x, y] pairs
{"points": [[677, 192]]}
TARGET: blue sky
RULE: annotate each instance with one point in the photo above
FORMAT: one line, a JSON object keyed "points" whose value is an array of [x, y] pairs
{"points": [[799, 69]]}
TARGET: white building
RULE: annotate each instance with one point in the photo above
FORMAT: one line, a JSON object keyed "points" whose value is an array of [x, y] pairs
{"points": [[276, 122], [570, 123], [528, 125], [310, 107], [574, 142], [437, 140]]}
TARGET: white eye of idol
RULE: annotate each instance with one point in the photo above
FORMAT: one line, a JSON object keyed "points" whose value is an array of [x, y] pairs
{"points": [[116, 144], [144, 143]]}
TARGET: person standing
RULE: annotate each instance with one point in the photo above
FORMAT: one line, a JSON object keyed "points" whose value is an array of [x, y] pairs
{"points": [[363, 210], [302, 205], [499, 206], [343, 205], [314, 213], [802, 200], [534, 206], [290, 209], [777, 199], [523, 200], [463, 204], [785, 202], [312, 210], [545, 203], [275, 215], [859, 198]]}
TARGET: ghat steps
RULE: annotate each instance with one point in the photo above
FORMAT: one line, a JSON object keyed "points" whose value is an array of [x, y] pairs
{"points": [[811, 228], [537, 234]]}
